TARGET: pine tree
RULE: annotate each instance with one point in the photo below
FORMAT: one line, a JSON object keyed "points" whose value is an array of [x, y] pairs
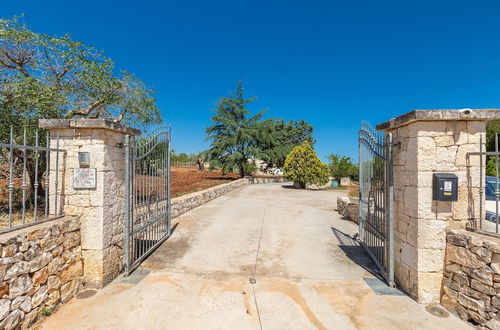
{"points": [[234, 134]]}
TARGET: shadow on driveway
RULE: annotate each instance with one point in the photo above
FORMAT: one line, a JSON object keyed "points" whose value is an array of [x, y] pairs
{"points": [[354, 251]]}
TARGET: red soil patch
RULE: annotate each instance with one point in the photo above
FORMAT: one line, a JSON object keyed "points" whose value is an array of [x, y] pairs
{"points": [[188, 179]]}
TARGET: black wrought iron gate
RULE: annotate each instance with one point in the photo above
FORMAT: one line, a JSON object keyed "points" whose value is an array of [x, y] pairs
{"points": [[147, 200], [376, 198]]}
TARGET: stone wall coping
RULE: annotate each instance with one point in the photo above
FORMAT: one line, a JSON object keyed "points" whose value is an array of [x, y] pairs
{"points": [[201, 192], [87, 123], [35, 227], [439, 115], [478, 236]]}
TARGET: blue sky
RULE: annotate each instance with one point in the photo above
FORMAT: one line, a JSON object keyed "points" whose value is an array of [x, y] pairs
{"points": [[333, 63]]}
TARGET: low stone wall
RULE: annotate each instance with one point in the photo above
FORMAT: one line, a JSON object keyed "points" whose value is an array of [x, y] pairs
{"points": [[348, 207], [267, 180], [40, 269], [471, 284], [188, 202]]}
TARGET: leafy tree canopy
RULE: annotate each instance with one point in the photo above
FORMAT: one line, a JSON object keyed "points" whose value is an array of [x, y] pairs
{"points": [[44, 76], [492, 127], [277, 138], [304, 167], [342, 166], [234, 135]]}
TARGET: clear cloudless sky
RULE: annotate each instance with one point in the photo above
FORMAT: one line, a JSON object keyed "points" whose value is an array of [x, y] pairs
{"points": [[332, 63]]}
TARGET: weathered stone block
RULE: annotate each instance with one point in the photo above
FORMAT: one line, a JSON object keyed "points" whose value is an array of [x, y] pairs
{"points": [[431, 260], [495, 263], [73, 271], [19, 286], [11, 321], [4, 308], [483, 274], [55, 265], [492, 245], [70, 289], [71, 240], [39, 296], [462, 256], [40, 261], [484, 253], [481, 287], [23, 303], [471, 303], [53, 298], [456, 239], [40, 276], [444, 141], [19, 268]]}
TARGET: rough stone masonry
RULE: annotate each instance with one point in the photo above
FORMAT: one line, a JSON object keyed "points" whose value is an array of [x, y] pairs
{"points": [[40, 269], [471, 285]]}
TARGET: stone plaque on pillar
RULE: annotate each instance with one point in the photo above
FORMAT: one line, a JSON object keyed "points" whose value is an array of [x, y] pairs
{"points": [[84, 178]]}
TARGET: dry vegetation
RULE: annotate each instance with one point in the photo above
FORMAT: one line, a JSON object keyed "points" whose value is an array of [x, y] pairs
{"points": [[188, 179]]}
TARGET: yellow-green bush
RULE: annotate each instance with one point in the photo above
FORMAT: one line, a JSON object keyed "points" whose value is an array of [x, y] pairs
{"points": [[303, 166]]}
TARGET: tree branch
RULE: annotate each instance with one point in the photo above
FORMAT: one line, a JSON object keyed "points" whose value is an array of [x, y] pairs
{"points": [[120, 116], [19, 63], [85, 111]]}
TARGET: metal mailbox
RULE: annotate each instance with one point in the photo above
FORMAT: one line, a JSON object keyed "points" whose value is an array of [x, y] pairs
{"points": [[445, 187]]}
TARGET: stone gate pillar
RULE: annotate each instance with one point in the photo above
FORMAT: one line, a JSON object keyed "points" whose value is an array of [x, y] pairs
{"points": [[101, 207], [426, 142]]}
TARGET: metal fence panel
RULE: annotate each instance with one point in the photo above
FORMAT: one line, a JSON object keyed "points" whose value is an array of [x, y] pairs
{"points": [[489, 189], [26, 200]]}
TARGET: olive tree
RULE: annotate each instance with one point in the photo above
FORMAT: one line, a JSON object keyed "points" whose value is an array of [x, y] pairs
{"points": [[44, 76]]}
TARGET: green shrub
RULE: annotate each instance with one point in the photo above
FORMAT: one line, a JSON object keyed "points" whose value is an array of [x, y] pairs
{"points": [[303, 166]]}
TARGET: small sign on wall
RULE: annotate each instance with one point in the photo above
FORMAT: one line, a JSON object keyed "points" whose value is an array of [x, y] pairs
{"points": [[84, 178]]}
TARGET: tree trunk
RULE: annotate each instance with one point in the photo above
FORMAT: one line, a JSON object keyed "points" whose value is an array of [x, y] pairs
{"points": [[201, 165], [299, 185]]}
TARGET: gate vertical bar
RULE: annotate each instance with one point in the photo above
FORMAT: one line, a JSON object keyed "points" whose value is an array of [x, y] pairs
{"points": [[11, 174], [126, 228], [169, 213], [389, 209], [481, 182], [361, 185]]}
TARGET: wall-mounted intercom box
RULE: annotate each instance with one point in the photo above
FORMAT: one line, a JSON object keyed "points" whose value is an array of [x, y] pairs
{"points": [[84, 159], [445, 187]]}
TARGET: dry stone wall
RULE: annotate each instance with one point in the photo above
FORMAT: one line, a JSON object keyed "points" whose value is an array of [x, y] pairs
{"points": [[471, 284], [40, 269], [267, 180], [348, 207], [188, 202]]}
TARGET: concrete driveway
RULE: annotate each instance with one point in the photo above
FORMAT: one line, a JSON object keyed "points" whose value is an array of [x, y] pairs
{"points": [[308, 273]]}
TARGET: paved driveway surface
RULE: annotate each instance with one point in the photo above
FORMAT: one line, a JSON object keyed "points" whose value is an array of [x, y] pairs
{"points": [[308, 273]]}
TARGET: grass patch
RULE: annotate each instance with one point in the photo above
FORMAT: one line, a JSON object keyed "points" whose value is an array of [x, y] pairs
{"points": [[46, 311], [335, 188]]}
